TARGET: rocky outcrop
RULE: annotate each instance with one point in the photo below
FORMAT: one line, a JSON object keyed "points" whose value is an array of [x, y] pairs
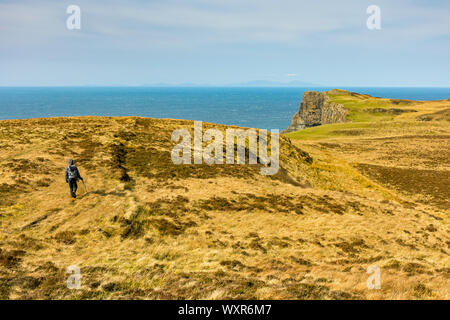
{"points": [[316, 109]]}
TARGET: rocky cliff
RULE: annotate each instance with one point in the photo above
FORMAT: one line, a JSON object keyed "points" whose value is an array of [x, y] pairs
{"points": [[316, 109]]}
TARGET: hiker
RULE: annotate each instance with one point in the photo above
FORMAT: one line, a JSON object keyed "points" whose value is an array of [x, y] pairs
{"points": [[72, 176]]}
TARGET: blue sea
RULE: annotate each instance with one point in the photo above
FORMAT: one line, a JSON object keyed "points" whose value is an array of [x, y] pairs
{"points": [[265, 108]]}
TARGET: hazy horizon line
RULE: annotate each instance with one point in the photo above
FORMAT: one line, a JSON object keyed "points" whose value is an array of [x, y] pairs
{"points": [[220, 86]]}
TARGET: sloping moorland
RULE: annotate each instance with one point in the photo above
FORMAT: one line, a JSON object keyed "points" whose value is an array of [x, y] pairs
{"points": [[371, 191]]}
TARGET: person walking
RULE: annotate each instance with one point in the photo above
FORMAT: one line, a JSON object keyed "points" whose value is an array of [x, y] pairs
{"points": [[72, 176]]}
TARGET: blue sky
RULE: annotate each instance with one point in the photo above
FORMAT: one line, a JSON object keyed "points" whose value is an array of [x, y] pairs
{"points": [[220, 42]]}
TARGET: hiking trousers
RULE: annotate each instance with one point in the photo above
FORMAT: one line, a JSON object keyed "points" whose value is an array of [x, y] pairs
{"points": [[73, 187]]}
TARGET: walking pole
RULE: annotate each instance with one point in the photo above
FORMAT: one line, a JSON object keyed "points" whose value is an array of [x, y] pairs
{"points": [[85, 189]]}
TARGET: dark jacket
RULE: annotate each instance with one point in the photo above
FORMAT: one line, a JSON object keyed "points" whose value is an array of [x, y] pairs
{"points": [[73, 168]]}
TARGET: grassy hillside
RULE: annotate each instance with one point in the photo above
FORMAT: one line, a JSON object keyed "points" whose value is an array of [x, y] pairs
{"points": [[147, 229]]}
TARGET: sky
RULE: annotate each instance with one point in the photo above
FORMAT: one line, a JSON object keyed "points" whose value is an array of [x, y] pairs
{"points": [[222, 42]]}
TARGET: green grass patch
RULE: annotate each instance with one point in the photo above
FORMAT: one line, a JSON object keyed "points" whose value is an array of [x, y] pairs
{"points": [[357, 108]]}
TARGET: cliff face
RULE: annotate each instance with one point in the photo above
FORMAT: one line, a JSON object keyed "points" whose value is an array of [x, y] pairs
{"points": [[316, 109]]}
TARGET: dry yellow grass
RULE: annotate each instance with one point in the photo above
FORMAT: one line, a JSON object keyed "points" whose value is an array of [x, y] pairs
{"points": [[150, 230]]}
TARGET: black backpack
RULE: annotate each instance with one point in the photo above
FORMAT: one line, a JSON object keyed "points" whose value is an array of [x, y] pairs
{"points": [[72, 172]]}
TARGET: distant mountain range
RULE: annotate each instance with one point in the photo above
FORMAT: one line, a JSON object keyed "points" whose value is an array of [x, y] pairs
{"points": [[267, 83], [254, 83]]}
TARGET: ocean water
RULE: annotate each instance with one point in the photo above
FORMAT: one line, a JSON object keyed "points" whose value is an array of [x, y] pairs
{"points": [[265, 108]]}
